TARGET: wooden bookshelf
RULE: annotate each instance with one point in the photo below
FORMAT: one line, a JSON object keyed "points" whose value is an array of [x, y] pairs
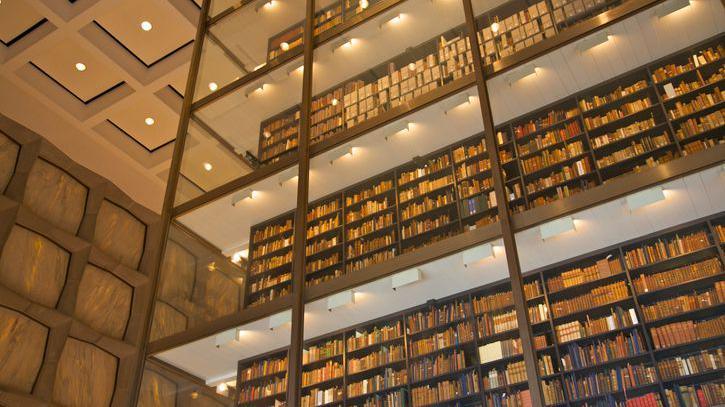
{"points": [[270, 260], [661, 339], [325, 240]]}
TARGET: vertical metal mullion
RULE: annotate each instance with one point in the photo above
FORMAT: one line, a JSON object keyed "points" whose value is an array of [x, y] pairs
{"points": [[170, 193], [512, 258], [294, 376]]}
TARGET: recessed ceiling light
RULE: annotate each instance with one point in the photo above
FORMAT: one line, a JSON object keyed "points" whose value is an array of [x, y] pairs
{"points": [[364, 4], [208, 166], [80, 66], [146, 26], [284, 46], [149, 121], [213, 86]]}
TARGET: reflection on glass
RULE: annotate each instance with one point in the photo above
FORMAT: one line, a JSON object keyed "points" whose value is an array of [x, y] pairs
{"points": [[208, 161], [196, 285], [247, 38], [160, 387]]}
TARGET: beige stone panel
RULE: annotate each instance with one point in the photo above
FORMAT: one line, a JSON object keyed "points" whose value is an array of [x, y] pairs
{"points": [[104, 302], [22, 346], [167, 321], [156, 391], [86, 376], [8, 158], [178, 272], [33, 266], [119, 234], [222, 295], [55, 196]]}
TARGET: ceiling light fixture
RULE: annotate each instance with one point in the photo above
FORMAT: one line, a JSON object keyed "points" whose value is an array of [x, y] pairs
{"points": [[255, 88], [287, 175], [670, 7], [643, 198], [556, 227], [476, 254], [146, 26], [222, 388], [411, 66], [343, 43], [340, 300], [391, 18], [208, 166], [406, 277], [592, 41], [241, 196], [364, 4], [340, 152], [149, 121], [455, 101], [296, 67], [520, 73], [279, 319], [265, 4], [80, 66], [213, 86], [284, 46], [335, 101], [397, 128]]}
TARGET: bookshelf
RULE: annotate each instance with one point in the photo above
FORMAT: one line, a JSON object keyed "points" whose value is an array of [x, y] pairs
{"points": [[270, 260], [638, 322], [572, 145], [325, 240]]}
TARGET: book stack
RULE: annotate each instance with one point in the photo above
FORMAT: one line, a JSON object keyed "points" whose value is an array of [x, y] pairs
{"points": [[671, 278], [439, 315], [385, 355], [603, 268], [515, 372], [546, 365], [664, 249], [620, 92], [549, 138], [318, 397], [624, 110], [362, 102], [331, 370], [370, 226], [389, 378], [567, 12], [456, 57], [279, 135], [700, 362], [409, 82], [492, 302], [598, 296], [491, 324], [364, 338], [398, 398], [576, 356], [424, 187], [685, 303], [538, 313], [377, 189], [542, 123], [453, 336], [646, 400], [633, 129], [637, 148], [463, 386], [548, 158], [533, 289], [694, 61], [574, 330], [515, 399], [684, 332], [498, 350], [362, 247], [326, 350], [263, 368], [326, 115], [272, 387], [702, 395], [720, 231], [270, 260], [695, 126], [612, 380], [427, 368], [700, 102], [553, 392]]}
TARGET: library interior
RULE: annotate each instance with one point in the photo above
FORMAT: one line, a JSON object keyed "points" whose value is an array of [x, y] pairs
{"points": [[362, 203]]}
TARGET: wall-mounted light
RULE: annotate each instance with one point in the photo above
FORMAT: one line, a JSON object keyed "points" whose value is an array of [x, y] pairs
{"points": [[344, 43], [225, 337], [298, 66], [284, 46], [260, 66], [397, 128], [520, 73], [279, 319], [239, 255], [556, 227], [241, 196], [592, 41], [287, 175], [476, 254], [254, 88], [364, 4], [340, 152], [222, 388], [406, 277], [392, 18], [455, 101], [670, 6], [340, 299], [643, 198], [265, 4]]}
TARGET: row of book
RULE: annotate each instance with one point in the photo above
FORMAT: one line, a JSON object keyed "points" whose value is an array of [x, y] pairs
{"points": [[438, 315], [616, 379], [461, 333], [664, 249], [687, 365], [491, 324], [620, 92], [427, 368], [694, 61], [678, 333], [596, 297], [700, 395], [601, 269], [318, 397], [263, 368], [370, 226], [685, 303], [513, 373], [465, 385], [384, 356], [638, 148], [377, 189], [577, 356], [618, 319], [389, 378], [626, 109], [331, 370], [645, 283], [364, 338]]}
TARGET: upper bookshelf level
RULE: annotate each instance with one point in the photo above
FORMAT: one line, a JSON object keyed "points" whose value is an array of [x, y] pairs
{"points": [[637, 322], [648, 116]]}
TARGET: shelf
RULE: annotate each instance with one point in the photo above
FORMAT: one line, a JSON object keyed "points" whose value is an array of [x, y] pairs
{"points": [[369, 252], [696, 112], [372, 346], [441, 376], [543, 129], [375, 368], [424, 194], [619, 100], [693, 91], [596, 336], [428, 212], [324, 217], [273, 253], [326, 233], [696, 377], [451, 400], [603, 364], [506, 387], [698, 344], [632, 136], [545, 190], [273, 237], [479, 193], [573, 288], [681, 74], [435, 229], [487, 171], [506, 359], [677, 261], [348, 224], [322, 361], [370, 198], [697, 136], [592, 310], [695, 313], [550, 146], [468, 159], [688, 283], [636, 157], [435, 328], [373, 233], [618, 121], [537, 173], [322, 383], [423, 177], [373, 393], [262, 378], [446, 348], [325, 250], [616, 392]]}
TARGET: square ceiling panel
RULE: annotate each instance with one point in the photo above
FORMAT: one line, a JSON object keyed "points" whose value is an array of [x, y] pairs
{"points": [[130, 116], [168, 30], [59, 63], [17, 18]]}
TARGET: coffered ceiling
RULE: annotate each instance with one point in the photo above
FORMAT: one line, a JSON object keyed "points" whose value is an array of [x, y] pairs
{"points": [[101, 79]]}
